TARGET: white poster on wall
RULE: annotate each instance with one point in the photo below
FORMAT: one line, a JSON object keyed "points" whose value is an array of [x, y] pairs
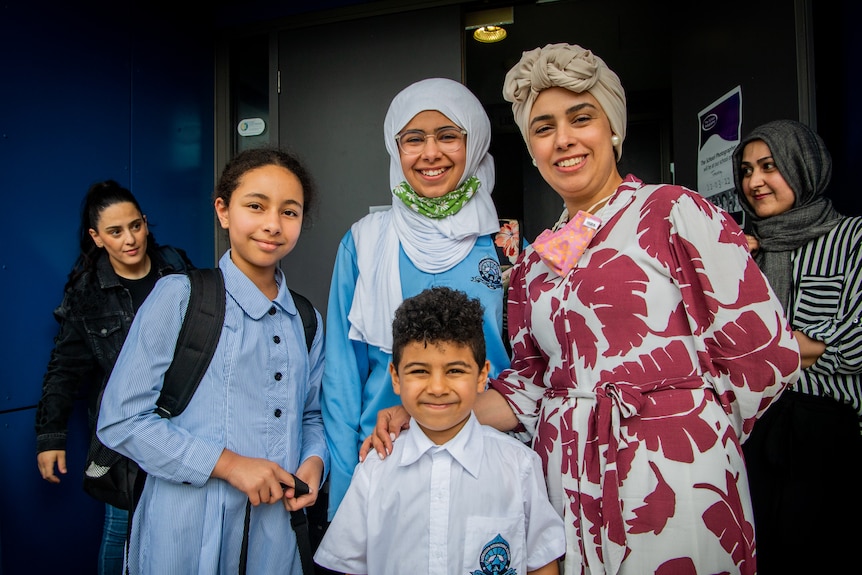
{"points": [[720, 124]]}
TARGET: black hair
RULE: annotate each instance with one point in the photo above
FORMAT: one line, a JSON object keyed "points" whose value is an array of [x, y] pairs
{"points": [[439, 314], [254, 158], [101, 196]]}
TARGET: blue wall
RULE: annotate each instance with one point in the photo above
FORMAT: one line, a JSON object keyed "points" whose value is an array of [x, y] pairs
{"points": [[89, 91]]}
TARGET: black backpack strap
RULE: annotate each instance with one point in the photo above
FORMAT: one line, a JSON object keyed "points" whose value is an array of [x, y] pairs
{"points": [[298, 519], [309, 318], [299, 522], [197, 341]]}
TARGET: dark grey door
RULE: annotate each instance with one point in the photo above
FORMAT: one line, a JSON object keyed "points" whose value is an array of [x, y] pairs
{"points": [[337, 81]]}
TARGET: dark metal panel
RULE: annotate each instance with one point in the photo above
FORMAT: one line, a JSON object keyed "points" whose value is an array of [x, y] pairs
{"points": [[64, 122], [337, 82], [45, 529], [172, 135], [87, 88]]}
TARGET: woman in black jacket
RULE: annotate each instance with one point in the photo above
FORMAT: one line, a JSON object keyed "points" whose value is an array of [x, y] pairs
{"points": [[118, 266]]}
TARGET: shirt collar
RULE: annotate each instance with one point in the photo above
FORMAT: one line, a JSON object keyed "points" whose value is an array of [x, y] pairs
{"points": [[248, 296], [466, 447]]}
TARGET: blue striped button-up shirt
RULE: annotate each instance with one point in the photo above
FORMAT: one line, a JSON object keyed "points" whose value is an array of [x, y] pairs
{"points": [[259, 398]]}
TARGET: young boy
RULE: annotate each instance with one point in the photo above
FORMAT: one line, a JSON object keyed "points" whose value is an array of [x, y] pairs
{"points": [[454, 496]]}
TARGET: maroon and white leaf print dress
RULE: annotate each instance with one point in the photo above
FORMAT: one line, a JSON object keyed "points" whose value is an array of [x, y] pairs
{"points": [[639, 373]]}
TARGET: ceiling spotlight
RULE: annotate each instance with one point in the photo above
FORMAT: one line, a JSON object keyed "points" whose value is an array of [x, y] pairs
{"points": [[487, 25], [489, 34]]}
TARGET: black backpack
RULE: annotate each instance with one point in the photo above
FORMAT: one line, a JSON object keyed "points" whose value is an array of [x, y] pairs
{"points": [[114, 478]]}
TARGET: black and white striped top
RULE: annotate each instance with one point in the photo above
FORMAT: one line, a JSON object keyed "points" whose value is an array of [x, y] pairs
{"points": [[827, 306]]}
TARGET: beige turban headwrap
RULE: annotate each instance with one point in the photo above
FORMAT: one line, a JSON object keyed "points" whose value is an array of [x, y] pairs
{"points": [[571, 67]]}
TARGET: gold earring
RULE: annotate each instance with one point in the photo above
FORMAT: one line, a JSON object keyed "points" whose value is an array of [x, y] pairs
{"points": [[615, 140]]}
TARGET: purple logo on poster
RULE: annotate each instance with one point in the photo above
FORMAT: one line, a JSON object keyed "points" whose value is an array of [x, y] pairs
{"points": [[722, 120], [709, 122]]}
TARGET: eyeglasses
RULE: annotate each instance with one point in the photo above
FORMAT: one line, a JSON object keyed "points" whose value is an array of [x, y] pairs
{"points": [[449, 140]]}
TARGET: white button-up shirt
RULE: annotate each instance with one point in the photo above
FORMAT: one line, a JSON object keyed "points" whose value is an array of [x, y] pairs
{"points": [[471, 505]]}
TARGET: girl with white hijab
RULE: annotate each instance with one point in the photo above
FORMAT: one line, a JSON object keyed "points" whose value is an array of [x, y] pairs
{"points": [[440, 231]]}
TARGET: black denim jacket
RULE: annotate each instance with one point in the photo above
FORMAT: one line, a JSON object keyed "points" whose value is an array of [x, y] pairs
{"points": [[94, 316]]}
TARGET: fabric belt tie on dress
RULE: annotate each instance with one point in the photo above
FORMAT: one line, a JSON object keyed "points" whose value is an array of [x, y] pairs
{"points": [[614, 401]]}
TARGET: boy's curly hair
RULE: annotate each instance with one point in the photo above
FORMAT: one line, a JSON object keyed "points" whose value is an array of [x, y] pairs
{"points": [[439, 314]]}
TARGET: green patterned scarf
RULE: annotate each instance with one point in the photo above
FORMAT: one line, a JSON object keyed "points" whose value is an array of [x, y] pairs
{"points": [[437, 208]]}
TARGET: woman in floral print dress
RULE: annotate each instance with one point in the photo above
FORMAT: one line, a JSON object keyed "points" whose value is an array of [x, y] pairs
{"points": [[646, 342]]}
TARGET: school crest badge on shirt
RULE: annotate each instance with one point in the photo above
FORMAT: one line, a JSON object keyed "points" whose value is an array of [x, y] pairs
{"points": [[489, 273], [495, 558]]}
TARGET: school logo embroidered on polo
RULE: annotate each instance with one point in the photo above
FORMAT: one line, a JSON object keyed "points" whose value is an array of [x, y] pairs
{"points": [[495, 558], [490, 274]]}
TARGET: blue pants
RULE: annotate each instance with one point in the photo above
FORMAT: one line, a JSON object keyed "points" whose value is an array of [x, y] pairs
{"points": [[112, 549]]}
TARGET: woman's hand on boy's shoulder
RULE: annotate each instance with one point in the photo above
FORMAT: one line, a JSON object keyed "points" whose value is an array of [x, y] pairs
{"points": [[390, 422]]}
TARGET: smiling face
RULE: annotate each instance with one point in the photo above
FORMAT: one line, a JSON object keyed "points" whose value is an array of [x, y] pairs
{"points": [[438, 383], [431, 173], [122, 231], [570, 137], [764, 187], [263, 219]]}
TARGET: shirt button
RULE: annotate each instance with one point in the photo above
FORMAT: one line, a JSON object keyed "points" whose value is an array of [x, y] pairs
{"points": [[278, 376], [277, 413], [104, 331], [276, 339], [272, 310]]}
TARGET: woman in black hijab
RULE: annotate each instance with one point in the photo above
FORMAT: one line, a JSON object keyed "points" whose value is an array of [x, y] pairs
{"points": [[804, 453]]}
